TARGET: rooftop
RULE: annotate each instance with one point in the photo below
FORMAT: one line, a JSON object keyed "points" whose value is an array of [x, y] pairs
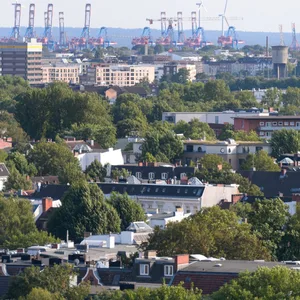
{"points": [[269, 117], [229, 266]]}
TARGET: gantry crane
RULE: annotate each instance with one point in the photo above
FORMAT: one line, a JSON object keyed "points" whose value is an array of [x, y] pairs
{"points": [[29, 34], [85, 34], [15, 33]]}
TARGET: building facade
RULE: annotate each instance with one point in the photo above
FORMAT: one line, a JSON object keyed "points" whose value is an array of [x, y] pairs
{"points": [[68, 73], [266, 125], [22, 59], [225, 117], [120, 75], [235, 153]]}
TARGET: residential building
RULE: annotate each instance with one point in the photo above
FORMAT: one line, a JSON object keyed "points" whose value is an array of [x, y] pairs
{"points": [[266, 125], [172, 68], [68, 73], [182, 56], [22, 59], [272, 184], [233, 152], [162, 220], [160, 198], [154, 171], [120, 75], [224, 117], [210, 275], [111, 157]]}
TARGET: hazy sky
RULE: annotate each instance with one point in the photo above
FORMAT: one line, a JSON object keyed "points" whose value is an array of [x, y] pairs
{"points": [[258, 15]]}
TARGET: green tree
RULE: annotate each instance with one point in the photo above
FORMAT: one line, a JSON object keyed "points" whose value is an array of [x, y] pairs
{"points": [[195, 130], [164, 292], [118, 173], [217, 90], [164, 146], [19, 161], [246, 99], [17, 181], [55, 159], [272, 98], [18, 226], [95, 171], [56, 280], [261, 161], [266, 283], [41, 294], [182, 76], [83, 209], [211, 232], [128, 210], [285, 141]]}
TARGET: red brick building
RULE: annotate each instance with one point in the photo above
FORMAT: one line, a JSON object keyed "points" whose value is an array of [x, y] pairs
{"points": [[265, 126]]}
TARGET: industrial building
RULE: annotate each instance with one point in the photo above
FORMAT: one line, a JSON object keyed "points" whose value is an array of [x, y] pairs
{"points": [[23, 59]]}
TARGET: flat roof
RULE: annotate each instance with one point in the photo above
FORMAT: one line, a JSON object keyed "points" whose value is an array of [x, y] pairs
{"points": [[230, 266], [269, 117], [222, 143]]}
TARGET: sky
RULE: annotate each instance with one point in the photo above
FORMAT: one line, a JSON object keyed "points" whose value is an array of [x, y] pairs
{"points": [[258, 15]]}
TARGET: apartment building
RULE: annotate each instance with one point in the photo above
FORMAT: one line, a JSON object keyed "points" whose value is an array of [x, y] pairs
{"points": [[68, 73], [173, 67], [120, 75], [23, 59], [266, 125], [234, 152]]}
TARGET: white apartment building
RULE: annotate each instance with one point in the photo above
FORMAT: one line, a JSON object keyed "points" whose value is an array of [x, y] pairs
{"points": [[120, 75], [68, 73]]}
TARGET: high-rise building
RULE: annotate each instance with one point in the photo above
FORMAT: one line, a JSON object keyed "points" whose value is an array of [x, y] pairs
{"points": [[22, 59]]}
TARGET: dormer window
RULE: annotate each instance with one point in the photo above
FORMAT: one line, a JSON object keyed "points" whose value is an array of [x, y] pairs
{"points": [[151, 175], [168, 270]]}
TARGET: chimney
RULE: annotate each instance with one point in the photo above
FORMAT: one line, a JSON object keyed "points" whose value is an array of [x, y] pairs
{"points": [[47, 204], [181, 261], [92, 143], [150, 254]]}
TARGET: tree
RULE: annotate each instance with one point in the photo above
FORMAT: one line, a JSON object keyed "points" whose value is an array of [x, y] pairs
{"points": [[268, 218], [18, 226], [55, 159], [182, 76], [83, 209], [19, 161], [211, 232], [285, 141], [266, 283], [261, 161], [95, 171], [272, 98], [195, 130], [118, 173], [53, 110], [17, 181], [128, 210], [164, 292], [246, 99], [41, 294], [56, 280], [217, 90], [164, 146]]}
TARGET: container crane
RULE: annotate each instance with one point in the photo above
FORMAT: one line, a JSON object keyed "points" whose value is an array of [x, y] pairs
{"points": [[295, 45], [144, 39], [231, 37], [48, 23], [85, 34], [62, 33], [30, 29], [15, 33]]}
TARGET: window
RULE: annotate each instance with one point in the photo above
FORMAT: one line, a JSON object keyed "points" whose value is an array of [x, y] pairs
{"points": [[168, 270], [292, 123], [261, 133], [268, 124], [217, 119], [258, 149], [189, 148], [261, 123], [144, 269], [286, 123], [164, 176], [274, 123], [298, 124], [138, 175], [280, 123], [151, 175], [229, 150]]}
